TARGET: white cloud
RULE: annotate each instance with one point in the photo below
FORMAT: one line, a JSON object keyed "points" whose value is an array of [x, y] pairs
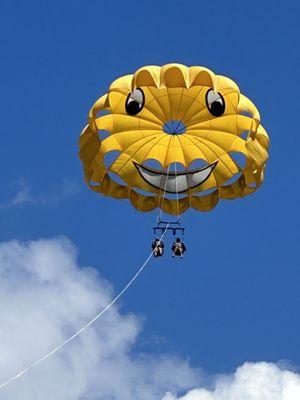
{"points": [[21, 197], [45, 297], [251, 381], [56, 194]]}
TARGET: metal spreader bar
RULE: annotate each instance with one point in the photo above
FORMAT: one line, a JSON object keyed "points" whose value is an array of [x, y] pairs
{"points": [[163, 226]]}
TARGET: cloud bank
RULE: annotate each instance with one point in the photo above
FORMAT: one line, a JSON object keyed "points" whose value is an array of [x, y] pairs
{"points": [[251, 381], [45, 296]]}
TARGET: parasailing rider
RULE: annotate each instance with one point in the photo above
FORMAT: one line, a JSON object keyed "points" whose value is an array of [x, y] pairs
{"points": [[178, 248], [158, 247]]}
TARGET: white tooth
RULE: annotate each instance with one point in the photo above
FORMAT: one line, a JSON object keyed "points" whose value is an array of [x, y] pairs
{"points": [[198, 177], [177, 184], [153, 178]]}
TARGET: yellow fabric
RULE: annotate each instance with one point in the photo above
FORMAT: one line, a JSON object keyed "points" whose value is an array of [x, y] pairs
{"points": [[174, 92]]}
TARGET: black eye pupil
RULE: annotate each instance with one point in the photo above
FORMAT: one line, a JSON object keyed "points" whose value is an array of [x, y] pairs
{"points": [[217, 108], [133, 107], [135, 102], [215, 103]]}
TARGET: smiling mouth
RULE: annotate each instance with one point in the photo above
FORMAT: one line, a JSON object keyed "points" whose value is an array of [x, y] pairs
{"points": [[171, 182]]}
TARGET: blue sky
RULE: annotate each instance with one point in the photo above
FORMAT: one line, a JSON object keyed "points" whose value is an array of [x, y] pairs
{"points": [[236, 296]]}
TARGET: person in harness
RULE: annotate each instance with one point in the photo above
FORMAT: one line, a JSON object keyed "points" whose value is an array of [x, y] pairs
{"points": [[158, 247], [178, 248]]}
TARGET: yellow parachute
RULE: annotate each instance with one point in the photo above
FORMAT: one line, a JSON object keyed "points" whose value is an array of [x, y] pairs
{"points": [[175, 115]]}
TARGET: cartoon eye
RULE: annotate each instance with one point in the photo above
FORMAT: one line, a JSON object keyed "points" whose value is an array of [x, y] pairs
{"points": [[215, 103], [135, 102]]}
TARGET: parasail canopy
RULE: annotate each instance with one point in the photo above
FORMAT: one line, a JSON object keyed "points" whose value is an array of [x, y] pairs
{"points": [[178, 137]]}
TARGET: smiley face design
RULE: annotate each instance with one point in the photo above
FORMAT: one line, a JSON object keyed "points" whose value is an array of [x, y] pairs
{"points": [[174, 137]]}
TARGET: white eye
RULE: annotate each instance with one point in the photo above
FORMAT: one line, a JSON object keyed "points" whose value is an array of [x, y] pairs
{"points": [[135, 102], [215, 103]]}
